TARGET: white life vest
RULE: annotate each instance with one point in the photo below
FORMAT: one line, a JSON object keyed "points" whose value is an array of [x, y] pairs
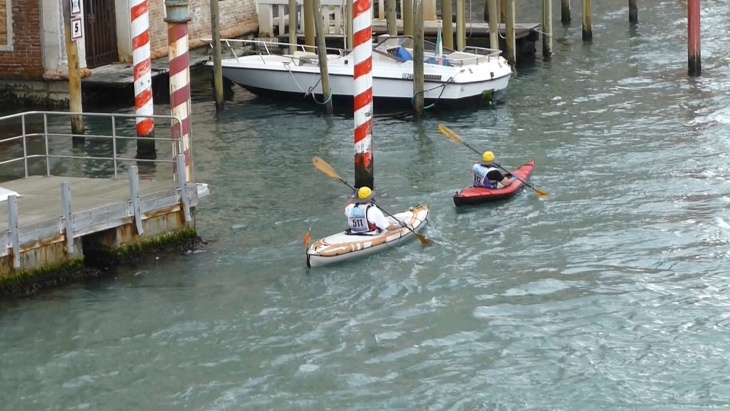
{"points": [[358, 221], [480, 176]]}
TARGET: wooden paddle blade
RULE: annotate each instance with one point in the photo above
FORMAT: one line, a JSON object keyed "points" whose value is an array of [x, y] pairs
{"points": [[325, 168], [450, 134], [308, 238], [422, 238]]}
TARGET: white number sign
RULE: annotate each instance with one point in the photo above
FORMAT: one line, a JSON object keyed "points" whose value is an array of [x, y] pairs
{"points": [[77, 29]]}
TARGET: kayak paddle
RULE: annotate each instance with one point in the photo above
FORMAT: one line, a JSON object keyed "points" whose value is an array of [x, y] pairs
{"points": [[456, 139], [330, 172]]}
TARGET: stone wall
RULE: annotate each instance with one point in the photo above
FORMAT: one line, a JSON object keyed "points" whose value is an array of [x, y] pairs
{"points": [[21, 56]]}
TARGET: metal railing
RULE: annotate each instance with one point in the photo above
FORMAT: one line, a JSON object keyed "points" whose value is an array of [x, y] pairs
{"points": [[117, 158]]}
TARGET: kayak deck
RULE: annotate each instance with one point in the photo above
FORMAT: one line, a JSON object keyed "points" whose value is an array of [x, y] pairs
{"points": [[342, 246], [479, 195]]}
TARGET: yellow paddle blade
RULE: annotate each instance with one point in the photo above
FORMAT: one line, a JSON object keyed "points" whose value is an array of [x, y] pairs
{"points": [[450, 134], [322, 166], [541, 193]]}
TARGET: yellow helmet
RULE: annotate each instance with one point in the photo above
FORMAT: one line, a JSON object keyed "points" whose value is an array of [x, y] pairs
{"points": [[488, 157], [364, 194]]}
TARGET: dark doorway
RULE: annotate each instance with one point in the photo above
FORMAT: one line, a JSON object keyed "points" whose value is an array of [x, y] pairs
{"points": [[101, 33]]}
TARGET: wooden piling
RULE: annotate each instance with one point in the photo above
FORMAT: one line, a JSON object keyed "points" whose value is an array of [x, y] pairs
{"points": [[503, 10], [547, 28], [215, 27], [565, 11], [460, 34], [493, 11], [587, 21], [391, 17], [418, 58], [407, 14], [694, 61], [348, 30], [510, 28], [309, 24], [322, 55], [447, 21], [293, 26], [74, 78], [633, 12]]}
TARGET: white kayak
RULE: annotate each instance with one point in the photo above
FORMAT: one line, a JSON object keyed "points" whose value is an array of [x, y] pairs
{"points": [[342, 246]]}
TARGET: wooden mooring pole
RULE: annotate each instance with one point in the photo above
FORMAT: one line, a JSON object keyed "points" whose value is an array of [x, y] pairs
{"points": [[407, 14], [493, 11], [633, 12], [510, 27], [447, 21], [460, 34], [694, 62], [418, 69], [587, 21], [363, 92], [547, 28], [565, 11], [74, 76], [391, 17], [322, 55], [348, 30], [308, 24], [215, 27], [293, 26]]}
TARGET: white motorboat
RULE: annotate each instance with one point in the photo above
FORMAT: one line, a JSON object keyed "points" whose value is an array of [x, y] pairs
{"points": [[474, 74]]}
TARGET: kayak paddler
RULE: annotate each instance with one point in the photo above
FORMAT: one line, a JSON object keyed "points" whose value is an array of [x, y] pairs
{"points": [[487, 174]]}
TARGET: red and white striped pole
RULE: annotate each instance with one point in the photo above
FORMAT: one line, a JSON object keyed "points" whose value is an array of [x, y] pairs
{"points": [[363, 91], [179, 57], [142, 77]]}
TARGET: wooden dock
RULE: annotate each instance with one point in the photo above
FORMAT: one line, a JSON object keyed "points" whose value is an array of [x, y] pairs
{"points": [[56, 220]]}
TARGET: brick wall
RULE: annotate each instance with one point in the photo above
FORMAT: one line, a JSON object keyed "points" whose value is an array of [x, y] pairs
{"points": [[233, 13], [26, 59]]}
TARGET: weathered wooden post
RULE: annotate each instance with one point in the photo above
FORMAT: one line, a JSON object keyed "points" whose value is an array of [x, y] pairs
{"points": [[503, 10], [547, 28], [510, 28], [694, 39], [363, 92], [565, 11], [493, 11], [349, 25], [293, 26], [418, 76], [322, 55], [74, 76], [633, 12], [407, 15], [309, 24], [447, 21], [142, 78], [177, 20], [460, 32], [215, 27], [391, 17], [587, 21]]}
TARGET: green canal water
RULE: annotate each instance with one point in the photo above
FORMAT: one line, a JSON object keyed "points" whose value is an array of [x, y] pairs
{"points": [[612, 293]]}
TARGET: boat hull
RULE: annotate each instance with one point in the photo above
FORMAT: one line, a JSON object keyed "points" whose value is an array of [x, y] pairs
{"points": [[479, 195], [342, 247]]}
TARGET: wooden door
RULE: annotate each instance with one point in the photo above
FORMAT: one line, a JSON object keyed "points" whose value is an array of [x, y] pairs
{"points": [[101, 33]]}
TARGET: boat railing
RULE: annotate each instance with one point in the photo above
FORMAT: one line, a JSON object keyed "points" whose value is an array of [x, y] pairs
{"points": [[240, 47], [471, 55]]}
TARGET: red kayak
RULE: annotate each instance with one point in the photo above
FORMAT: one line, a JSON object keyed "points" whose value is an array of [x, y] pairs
{"points": [[479, 195]]}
